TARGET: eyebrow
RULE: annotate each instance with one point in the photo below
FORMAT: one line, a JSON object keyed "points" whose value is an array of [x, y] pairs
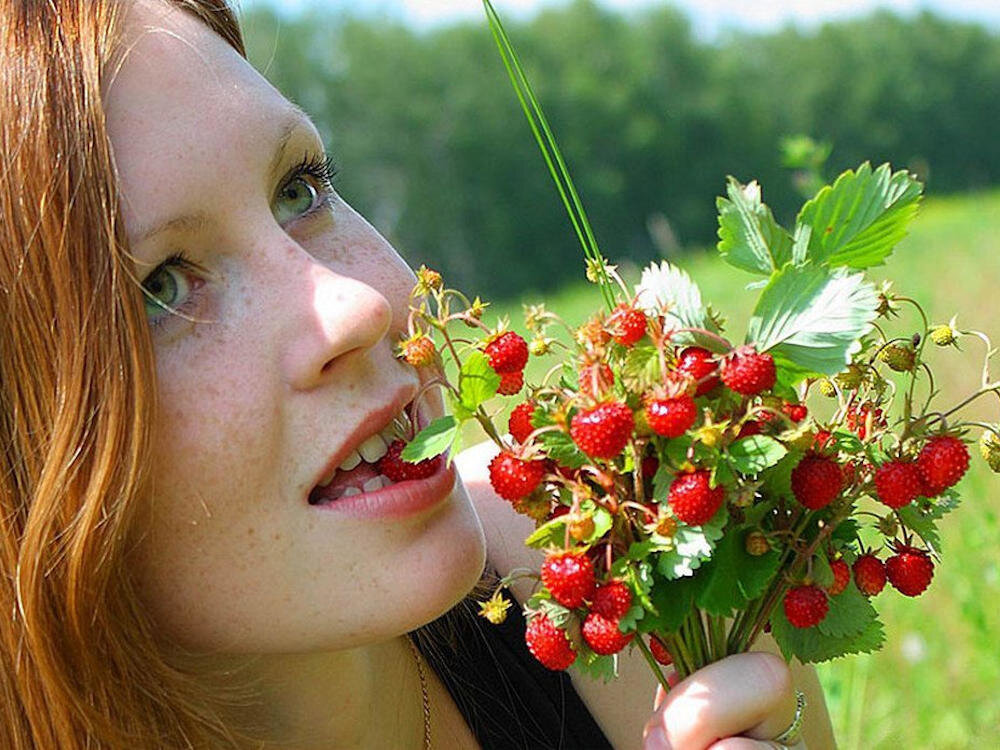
{"points": [[296, 118]]}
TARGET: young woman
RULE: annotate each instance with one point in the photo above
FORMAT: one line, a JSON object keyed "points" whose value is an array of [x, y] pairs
{"points": [[196, 339]]}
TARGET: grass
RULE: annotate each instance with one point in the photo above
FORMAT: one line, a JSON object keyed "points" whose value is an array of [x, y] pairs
{"points": [[936, 683]]}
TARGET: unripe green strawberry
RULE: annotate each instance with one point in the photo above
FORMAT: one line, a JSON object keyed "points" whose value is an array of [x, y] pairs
{"points": [[989, 448], [549, 644], [806, 606], [943, 335], [569, 577], [851, 378], [756, 543], [901, 357], [910, 570], [603, 431]]}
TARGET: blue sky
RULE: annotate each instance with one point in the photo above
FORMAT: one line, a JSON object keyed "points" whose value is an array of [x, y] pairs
{"points": [[708, 16]]}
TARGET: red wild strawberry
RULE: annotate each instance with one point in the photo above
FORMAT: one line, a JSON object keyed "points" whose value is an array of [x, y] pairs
{"points": [[513, 478], [859, 417], [869, 574], [507, 353], [816, 481], [841, 577], [795, 412], [650, 465], [898, 483], [511, 383], [749, 428], [748, 371], [627, 325], [806, 606], [822, 439], [612, 600], [549, 644], [398, 470], [697, 364], [519, 423], [910, 570], [659, 652], [603, 432], [692, 499], [942, 462], [671, 417], [603, 636], [569, 577]]}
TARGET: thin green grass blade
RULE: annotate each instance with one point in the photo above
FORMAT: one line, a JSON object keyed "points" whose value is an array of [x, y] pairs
{"points": [[550, 150]]}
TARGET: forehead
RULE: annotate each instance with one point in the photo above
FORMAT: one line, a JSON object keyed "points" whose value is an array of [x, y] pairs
{"points": [[183, 107]]}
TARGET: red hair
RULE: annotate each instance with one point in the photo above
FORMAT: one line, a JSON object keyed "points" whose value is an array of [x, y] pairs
{"points": [[81, 665]]}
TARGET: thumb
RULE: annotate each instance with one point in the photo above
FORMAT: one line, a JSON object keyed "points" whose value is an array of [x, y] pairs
{"points": [[661, 694]]}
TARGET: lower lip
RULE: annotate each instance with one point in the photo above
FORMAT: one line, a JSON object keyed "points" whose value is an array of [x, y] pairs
{"points": [[399, 500]]}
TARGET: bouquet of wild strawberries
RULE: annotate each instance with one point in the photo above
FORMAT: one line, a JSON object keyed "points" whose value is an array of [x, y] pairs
{"points": [[691, 490]]}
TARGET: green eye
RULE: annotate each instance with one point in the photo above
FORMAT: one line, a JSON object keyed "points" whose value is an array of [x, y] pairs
{"points": [[299, 196], [165, 289]]}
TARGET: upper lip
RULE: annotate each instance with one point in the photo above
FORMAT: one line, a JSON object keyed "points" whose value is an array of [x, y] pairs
{"points": [[372, 423]]}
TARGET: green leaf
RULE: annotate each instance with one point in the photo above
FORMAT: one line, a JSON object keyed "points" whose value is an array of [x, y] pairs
{"points": [[673, 601], [749, 237], [813, 319], [603, 668], [751, 455], [778, 480], [668, 290], [733, 577], [822, 573], [812, 645], [858, 220], [850, 613], [553, 533], [692, 545], [433, 440], [921, 524], [477, 381]]}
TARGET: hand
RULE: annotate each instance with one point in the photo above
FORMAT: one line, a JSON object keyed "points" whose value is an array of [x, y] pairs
{"points": [[737, 703]]}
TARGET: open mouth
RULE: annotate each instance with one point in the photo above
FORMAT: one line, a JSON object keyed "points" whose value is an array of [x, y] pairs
{"points": [[359, 472]]}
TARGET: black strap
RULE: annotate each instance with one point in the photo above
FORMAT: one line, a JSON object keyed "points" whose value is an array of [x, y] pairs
{"points": [[508, 699]]}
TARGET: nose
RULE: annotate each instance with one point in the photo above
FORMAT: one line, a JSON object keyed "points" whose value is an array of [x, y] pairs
{"points": [[334, 316]]}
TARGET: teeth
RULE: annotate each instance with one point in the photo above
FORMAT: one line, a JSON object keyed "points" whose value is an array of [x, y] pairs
{"points": [[350, 491], [325, 481], [373, 448], [352, 460], [375, 483]]}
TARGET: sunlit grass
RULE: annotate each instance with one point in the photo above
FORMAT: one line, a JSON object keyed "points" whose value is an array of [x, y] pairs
{"points": [[936, 683]]}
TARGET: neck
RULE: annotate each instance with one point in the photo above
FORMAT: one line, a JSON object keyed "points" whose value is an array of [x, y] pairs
{"points": [[353, 699]]}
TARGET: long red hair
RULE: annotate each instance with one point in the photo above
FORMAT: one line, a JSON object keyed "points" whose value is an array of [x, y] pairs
{"points": [[81, 665]]}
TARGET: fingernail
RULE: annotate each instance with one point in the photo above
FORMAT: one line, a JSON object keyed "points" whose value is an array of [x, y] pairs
{"points": [[656, 739]]}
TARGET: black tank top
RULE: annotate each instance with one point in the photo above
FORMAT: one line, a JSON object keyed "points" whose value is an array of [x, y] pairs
{"points": [[508, 699]]}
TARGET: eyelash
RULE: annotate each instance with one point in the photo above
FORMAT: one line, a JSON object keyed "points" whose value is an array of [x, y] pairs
{"points": [[322, 169]]}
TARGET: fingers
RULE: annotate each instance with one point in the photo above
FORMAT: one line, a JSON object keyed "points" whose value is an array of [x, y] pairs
{"points": [[744, 743], [746, 694]]}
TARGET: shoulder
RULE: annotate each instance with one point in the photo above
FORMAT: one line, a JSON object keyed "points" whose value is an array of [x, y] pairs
{"points": [[622, 707]]}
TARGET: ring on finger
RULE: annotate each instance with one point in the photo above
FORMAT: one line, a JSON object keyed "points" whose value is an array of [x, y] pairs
{"points": [[791, 735]]}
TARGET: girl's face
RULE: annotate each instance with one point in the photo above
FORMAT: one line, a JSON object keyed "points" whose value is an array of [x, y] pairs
{"points": [[276, 369]]}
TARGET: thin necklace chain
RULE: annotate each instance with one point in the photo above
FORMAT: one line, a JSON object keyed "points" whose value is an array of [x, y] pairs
{"points": [[423, 693]]}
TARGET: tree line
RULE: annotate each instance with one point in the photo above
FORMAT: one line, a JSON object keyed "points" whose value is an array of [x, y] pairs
{"points": [[433, 149]]}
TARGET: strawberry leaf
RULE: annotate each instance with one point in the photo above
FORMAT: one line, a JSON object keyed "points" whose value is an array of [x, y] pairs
{"points": [[594, 666], [477, 381], [850, 613], [751, 455], [922, 524], [433, 440], [811, 319], [749, 237], [692, 545], [812, 645], [857, 221], [733, 577], [668, 290], [673, 601]]}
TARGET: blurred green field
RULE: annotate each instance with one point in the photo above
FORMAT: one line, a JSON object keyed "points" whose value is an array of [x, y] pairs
{"points": [[936, 683]]}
